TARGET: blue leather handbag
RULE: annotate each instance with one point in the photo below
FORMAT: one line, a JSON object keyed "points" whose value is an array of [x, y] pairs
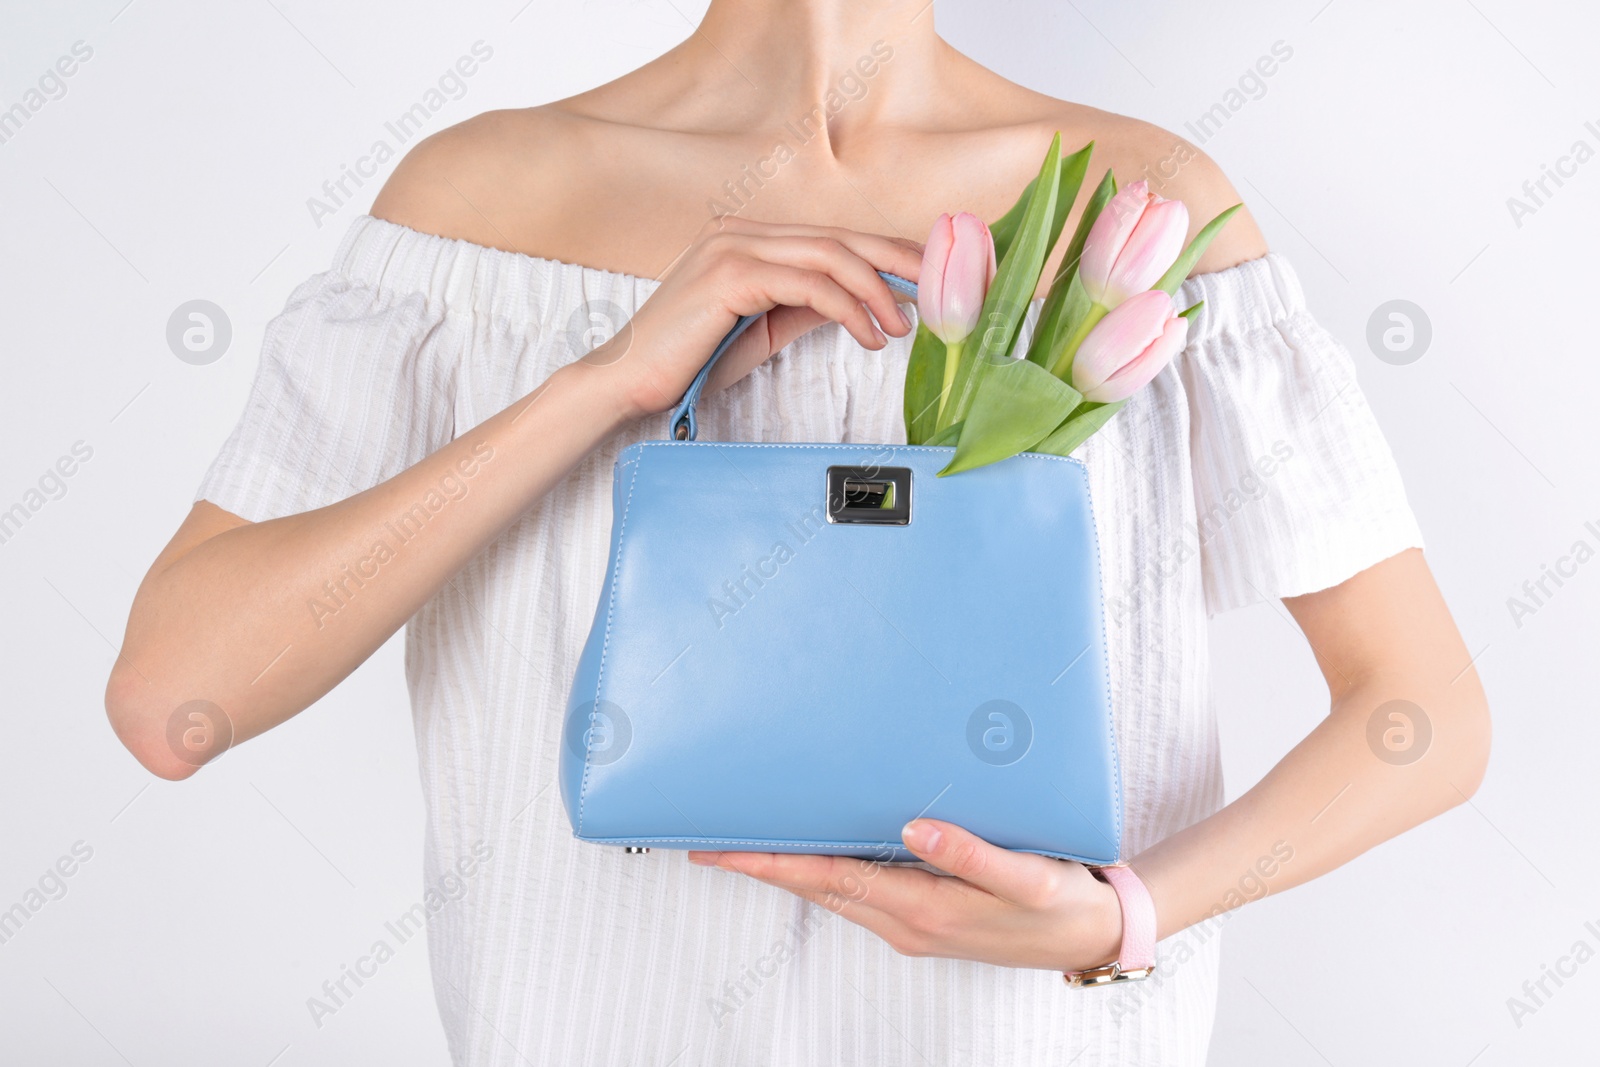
{"points": [[801, 647]]}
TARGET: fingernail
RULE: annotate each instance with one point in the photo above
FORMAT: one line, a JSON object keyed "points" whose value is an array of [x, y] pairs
{"points": [[920, 836], [904, 318], [703, 859], [882, 340]]}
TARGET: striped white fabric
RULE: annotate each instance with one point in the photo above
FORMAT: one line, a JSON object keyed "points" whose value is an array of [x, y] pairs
{"points": [[1251, 468]]}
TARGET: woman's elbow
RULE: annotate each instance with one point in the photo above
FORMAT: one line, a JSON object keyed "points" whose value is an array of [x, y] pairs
{"points": [[144, 726], [1470, 734]]}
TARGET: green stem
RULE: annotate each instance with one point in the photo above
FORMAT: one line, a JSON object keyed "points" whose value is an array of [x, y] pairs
{"points": [[952, 357], [1062, 367]]}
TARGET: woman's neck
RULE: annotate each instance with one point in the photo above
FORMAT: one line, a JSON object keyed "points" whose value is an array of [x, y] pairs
{"points": [[867, 61]]}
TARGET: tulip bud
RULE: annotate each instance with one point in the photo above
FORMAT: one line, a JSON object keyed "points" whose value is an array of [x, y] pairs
{"points": [[957, 266], [1136, 238], [1129, 347]]}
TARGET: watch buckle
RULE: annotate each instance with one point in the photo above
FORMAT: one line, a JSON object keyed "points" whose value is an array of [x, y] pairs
{"points": [[1107, 975]]}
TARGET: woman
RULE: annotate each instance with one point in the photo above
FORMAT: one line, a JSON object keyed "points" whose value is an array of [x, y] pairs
{"points": [[429, 441]]}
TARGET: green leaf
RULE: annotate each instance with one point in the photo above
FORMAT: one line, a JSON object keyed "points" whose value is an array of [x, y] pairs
{"points": [[924, 380], [1078, 429], [1192, 310], [945, 437], [1017, 405], [1080, 236], [1068, 183], [1061, 325], [1070, 180], [1066, 305], [1004, 229], [1012, 291], [1190, 256]]}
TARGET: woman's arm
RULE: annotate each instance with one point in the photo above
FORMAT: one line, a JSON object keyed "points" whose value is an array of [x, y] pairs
{"points": [[1406, 738], [224, 614], [1384, 635]]}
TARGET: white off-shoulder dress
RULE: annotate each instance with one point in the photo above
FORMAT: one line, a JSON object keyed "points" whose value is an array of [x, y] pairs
{"points": [[1251, 468]]}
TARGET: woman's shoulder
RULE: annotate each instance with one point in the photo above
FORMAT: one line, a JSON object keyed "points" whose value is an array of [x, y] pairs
{"points": [[488, 180], [1136, 150], [1131, 148]]}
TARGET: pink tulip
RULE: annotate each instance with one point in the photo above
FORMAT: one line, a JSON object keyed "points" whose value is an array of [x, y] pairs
{"points": [[1128, 347], [1136, 237], [957, 267]]}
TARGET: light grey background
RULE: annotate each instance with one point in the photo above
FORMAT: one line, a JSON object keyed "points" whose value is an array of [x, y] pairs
{"points": [[177, 166]]}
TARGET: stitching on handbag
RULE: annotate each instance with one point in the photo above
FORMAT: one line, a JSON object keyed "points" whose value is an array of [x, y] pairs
{"points": [[605, 645], [1105, 666], [829, 447], [879, 845]]}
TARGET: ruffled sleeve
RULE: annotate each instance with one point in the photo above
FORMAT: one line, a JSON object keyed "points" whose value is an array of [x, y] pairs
{"points": [[356, 380], [1295, 487]]}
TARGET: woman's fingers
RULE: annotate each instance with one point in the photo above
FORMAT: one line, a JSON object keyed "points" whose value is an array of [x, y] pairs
{"points": [[892, 254], [842, 875], [916, 912], [784, 324], [780, 283], [892, 890], [831, 257], [1019, 877], [799, 276], [808, 276], [860, 277], [888, 927], [775, 330], [897, 255]]}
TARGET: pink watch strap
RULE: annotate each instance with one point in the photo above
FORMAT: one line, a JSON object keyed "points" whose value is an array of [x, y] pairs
{"points": [[1138, 955], [1138, 918]]}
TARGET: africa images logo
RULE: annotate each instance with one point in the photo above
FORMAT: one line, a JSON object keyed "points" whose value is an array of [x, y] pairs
{"points": [[48, 87]]}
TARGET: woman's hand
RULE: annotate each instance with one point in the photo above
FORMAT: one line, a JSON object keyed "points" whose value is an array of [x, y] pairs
{"points": [[1013, 909], [801, 276]]}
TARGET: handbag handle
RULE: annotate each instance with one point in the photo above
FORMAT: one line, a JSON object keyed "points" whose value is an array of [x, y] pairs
{"points": [[684, 427]]}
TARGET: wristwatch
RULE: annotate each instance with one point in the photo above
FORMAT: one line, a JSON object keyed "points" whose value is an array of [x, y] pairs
{"points": [[1137, 958]]}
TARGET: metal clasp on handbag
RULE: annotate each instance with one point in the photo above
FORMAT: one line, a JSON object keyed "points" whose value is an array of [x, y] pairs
{"points": [[870, 496]]}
